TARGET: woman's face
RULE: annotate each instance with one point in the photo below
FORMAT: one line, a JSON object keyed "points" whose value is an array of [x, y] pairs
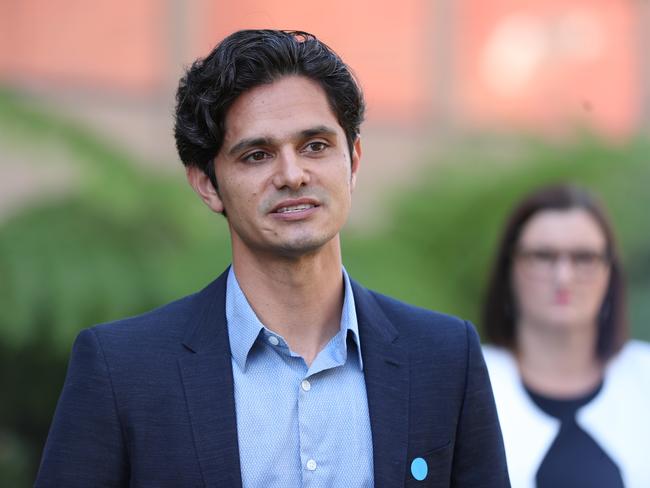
{"points": [[560, 270]]}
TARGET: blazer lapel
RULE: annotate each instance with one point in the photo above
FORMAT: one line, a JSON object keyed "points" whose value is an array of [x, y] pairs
{"points": [[206, 371], [386, 371]]}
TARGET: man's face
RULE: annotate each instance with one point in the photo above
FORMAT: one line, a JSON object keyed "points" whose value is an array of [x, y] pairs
{"points": [[284, 171]]}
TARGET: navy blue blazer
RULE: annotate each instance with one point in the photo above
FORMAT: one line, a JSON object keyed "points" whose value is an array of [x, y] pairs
{"points": [[148, 401]]}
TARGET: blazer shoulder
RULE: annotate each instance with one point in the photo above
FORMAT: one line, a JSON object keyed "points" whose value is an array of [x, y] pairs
{"points": [[420, 323], [164, 326], [402, 309], [159, 319]]}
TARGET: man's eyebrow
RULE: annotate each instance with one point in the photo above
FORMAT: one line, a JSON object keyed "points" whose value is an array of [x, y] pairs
{"points": [[250, 142], [321, 130]]}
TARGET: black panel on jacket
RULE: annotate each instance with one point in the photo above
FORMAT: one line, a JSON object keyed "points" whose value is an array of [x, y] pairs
{"points": [[574, 459]]}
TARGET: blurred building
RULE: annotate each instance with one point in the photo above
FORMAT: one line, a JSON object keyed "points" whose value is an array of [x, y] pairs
{"points": [[426, 66], [538, 62]]}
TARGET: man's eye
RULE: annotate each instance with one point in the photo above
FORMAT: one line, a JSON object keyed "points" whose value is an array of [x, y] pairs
{"points": [[256, 156], [316, 146]]}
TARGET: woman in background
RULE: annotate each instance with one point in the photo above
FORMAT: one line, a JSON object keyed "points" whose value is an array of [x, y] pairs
{"points": [[572, 392]]}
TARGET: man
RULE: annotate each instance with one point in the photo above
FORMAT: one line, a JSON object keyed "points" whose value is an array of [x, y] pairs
{"points": [[283, 372]]}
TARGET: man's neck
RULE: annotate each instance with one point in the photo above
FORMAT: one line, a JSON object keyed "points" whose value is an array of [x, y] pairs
{"points": [[299, 298]]}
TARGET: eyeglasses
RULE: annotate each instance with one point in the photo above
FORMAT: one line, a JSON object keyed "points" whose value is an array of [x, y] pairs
{"points": [[542, 263]]}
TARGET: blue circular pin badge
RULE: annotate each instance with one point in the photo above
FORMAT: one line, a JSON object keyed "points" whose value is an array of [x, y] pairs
{"points": [[419, 469]]}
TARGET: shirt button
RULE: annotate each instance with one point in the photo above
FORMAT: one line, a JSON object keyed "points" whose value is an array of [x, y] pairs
{"points": [[306, 386], [274, 340], [311, 465]]}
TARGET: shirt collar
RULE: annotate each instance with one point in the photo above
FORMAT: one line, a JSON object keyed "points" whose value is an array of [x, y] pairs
{"points": [[244, 327]]}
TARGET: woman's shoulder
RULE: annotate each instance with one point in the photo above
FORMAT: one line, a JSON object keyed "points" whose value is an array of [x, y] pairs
{"points": [[639, 347], [497, 357], [502, 368], [632, 364], [635, 352]]}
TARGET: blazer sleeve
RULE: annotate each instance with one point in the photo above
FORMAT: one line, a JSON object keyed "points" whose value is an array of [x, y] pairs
{"points": [[479, 456], [85, 446]]}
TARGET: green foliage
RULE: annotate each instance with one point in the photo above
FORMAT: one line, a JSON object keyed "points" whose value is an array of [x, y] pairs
{"points": [[436, 251], [123, 242], [127, 240]]}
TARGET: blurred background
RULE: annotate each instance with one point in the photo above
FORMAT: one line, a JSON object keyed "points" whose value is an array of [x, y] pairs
{"points": [[470, 105]]}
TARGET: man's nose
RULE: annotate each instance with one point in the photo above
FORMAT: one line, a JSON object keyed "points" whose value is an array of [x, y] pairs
{"points": [[290, 171]]}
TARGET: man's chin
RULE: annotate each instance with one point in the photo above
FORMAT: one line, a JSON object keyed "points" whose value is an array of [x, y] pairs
{"points": [[302, 247]]}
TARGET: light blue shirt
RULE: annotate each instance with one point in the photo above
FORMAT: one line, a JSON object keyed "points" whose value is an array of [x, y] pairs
{"points": [[299, 426]]}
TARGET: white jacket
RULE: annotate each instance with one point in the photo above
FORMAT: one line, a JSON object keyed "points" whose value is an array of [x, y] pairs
{"points": [[618, 418]]}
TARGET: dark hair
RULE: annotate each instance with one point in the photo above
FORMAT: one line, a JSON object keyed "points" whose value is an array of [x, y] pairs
{"points": [[499, 307], [244, 60]]}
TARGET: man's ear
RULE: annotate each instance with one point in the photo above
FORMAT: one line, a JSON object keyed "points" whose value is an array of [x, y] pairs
{"points": [[356, 161], [204, 188]]}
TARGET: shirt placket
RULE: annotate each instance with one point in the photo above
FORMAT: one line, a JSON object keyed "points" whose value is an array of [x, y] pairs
{"points": [[307, 403]]}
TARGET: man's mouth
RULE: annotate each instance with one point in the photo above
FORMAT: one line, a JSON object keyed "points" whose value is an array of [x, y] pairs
{"points": [[295, 208]]}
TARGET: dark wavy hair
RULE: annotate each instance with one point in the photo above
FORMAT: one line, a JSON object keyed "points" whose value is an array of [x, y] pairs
{"points": [[242, 61], [499, 310]]}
